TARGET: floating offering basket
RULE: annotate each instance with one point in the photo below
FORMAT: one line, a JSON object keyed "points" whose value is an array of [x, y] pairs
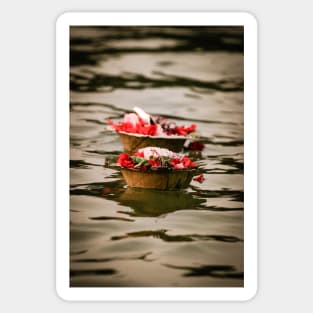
{"points": [[157, 168], [139, 130], [161, 179]]}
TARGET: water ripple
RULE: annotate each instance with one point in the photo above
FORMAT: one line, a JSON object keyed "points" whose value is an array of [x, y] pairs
{"points": [[162, 234], [139, 81], [91, 272], [217, 271]]}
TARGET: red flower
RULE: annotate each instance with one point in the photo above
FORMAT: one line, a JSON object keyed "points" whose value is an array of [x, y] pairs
{"points": [[184, 130], [188, 163], [139, 154], [175, 163], [154, 162], [139, 128], [195, 146], [199, 178], [124, 160], [143, 168]]}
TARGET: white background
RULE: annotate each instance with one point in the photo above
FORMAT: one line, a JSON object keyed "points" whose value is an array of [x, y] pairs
{"points": [[27, 130]]}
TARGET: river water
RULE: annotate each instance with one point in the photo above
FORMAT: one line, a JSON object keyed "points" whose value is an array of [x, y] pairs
{"points": [[123, 237]]}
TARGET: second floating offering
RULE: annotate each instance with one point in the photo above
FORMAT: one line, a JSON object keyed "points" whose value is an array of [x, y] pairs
{"points": [[157, 168]]}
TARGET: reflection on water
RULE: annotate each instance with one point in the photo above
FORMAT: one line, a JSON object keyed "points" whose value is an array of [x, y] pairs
{"points": [[156, 203], [123, 236]]}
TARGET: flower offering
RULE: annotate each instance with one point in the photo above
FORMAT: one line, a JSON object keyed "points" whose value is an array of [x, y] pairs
{"points": [[139, 130], [156, 168]]}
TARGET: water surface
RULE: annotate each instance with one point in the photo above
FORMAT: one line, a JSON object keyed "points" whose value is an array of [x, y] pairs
{"points": [[127, 237]]}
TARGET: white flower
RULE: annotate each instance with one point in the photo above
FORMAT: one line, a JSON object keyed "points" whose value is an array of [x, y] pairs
{"points": [[156, 152], [131, 118]]}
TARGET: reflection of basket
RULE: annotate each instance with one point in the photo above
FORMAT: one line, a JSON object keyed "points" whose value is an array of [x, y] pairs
{"points": [[157, 202], [161, 179], [134, 142]]}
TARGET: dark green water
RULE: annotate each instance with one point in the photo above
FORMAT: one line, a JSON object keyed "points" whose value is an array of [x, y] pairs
{"points": [[130, 237]]}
